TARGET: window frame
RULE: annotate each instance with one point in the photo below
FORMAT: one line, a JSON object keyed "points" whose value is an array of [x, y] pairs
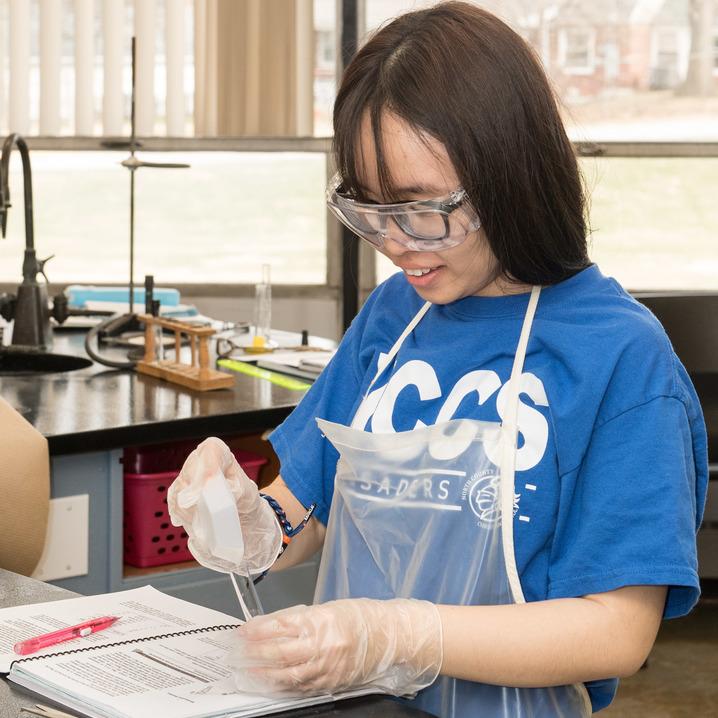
{"points": [[331, 288]]}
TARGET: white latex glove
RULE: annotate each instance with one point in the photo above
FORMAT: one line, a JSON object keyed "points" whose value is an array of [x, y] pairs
{"points": [[394, 646], [260, 529]]}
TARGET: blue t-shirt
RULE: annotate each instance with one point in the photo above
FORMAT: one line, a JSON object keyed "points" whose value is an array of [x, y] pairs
{"points": [[611, 466]]}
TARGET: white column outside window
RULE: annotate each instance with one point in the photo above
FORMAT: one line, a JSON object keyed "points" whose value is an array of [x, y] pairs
{"points": [[145, 53], [174, 57], [19, 98], [113, 16], [50, 59], [84, 67]]}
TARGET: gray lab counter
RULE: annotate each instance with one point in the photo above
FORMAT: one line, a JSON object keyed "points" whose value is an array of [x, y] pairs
{"points": [[99, 408]]}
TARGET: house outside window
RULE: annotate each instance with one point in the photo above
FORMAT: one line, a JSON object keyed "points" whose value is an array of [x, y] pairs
{"points": [[325, 50], [646, 188], [577, 50], [664, 73]]}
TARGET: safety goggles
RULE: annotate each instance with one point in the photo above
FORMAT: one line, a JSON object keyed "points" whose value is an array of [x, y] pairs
{"points": [[427, 225]]}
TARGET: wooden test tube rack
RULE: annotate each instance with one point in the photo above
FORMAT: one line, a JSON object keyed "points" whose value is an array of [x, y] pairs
{"points": [[196, 375]]}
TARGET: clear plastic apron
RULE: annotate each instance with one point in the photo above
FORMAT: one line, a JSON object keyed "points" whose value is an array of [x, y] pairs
{"points": [[420, 514]]}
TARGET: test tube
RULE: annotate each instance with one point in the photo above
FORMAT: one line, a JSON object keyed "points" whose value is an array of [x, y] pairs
{"points": [[263, 308], [247, 595]]}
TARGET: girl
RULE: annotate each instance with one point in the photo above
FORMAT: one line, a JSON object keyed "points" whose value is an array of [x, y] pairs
{"points": [[510, 463]]}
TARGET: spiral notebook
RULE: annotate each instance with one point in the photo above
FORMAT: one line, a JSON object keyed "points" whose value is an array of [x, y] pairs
{"points": [[164, 657]]}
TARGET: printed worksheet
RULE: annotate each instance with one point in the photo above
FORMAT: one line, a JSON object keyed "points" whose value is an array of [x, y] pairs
{"points": [[164, 657], [183, 676], [143, 612]]}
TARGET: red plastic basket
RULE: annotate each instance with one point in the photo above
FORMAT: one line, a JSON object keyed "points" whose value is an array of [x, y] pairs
{"points": [[157, 458], [149, 537]]}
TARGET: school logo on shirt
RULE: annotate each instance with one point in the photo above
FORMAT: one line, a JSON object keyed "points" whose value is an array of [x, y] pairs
{"points": [[482, 492], [483, 496], [416, 382], [427, 492], [376, 411]]}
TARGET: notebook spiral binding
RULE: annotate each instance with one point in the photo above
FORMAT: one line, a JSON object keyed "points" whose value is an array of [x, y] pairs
{"points": [[128, 642]]}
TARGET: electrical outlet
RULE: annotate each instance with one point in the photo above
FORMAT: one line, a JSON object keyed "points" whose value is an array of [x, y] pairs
{"points": [[66, 544]]}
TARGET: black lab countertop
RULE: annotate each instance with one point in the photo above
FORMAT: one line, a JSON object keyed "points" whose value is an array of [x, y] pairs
{"points": [[99, 408]]}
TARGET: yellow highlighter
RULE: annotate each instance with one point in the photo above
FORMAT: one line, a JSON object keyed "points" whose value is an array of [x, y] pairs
{"points": [[286, 382]]}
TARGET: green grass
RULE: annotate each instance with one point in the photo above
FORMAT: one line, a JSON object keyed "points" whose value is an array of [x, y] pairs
{"points": [[218, 221], [655, 221]]}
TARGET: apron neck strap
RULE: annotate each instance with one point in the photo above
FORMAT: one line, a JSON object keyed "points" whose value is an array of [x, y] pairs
{"points": [[388, 358], [518, 358], [512, 403], [507, 467], [509, 432]]}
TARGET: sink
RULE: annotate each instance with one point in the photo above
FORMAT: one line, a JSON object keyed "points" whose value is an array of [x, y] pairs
{"points": [[35, 362]]}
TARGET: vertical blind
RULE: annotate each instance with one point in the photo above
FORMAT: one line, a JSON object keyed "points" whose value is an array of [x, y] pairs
{"points": [[65, 65]]}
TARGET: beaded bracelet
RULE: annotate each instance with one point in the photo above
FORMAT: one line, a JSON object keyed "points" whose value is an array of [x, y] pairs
{"points": [[288, 533]]}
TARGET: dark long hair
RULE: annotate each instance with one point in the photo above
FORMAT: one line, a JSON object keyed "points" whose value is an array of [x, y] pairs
{"points": [[462, 76]]}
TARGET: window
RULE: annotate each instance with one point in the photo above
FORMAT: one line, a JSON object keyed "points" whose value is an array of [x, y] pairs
{"points": [[653, 219], [667, 51], [325, 51], [665, 72], [325, 40], [576, 50], [631, 89], [654, 222], [602, 58], [216, 222], [68, 71]]}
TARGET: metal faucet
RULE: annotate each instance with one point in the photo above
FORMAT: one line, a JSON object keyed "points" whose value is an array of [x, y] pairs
{"points": [[30, 308]]}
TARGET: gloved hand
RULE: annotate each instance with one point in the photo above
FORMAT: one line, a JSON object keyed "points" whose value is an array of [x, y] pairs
{"points": [[394, 646], [260, 529]]}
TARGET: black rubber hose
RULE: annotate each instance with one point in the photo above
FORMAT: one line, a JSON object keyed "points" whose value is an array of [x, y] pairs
{"points": [[90, 336]]}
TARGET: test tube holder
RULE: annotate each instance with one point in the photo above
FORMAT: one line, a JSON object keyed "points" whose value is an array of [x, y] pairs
{"points": [[195, 375]]}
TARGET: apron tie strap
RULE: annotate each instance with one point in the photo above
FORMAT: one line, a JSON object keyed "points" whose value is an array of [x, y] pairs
{"points": [[509, 434]]}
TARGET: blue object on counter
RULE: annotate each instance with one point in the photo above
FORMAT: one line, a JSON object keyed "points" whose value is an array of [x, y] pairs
{"points": [[79, 294]]}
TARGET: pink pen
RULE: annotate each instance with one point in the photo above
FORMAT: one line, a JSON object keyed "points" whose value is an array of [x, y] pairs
{"points": [[64, 634]]}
